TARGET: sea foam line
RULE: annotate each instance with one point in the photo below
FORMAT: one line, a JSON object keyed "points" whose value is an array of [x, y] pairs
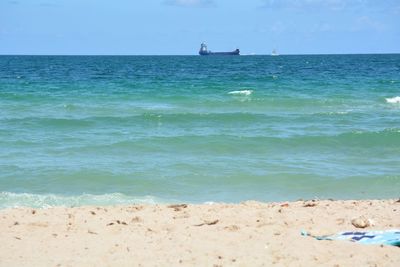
{"points": [[14, 200], [393, 100], [241, 92]]}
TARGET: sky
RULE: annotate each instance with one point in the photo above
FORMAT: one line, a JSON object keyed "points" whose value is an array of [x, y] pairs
{"points": [[177, 27]]}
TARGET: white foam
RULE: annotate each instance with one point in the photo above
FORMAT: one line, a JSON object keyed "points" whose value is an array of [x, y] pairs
{"points": [[241, 92], [13, 200], [333, 113], [393, 100]]}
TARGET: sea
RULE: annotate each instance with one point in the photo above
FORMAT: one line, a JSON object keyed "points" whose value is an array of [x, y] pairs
{"points": [[107, 130]]}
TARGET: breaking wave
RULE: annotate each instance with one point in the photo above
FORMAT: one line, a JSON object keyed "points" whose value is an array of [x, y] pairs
{"points": [[241, 92], [393, 100]]}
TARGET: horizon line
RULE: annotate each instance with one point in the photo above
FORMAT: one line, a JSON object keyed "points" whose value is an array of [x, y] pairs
{"points": [[250, 54]]}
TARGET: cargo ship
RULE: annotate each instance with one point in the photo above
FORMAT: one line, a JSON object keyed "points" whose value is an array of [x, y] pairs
{"points": [[205, 52]]}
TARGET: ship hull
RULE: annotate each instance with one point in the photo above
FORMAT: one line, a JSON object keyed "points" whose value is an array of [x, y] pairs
{"points": [[208, 53]]}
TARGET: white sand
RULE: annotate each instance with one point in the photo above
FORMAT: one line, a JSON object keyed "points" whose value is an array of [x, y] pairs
{"points": [[247, 234]]}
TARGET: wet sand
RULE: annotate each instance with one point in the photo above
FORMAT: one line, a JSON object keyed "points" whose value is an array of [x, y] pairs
{"points": [[246, 234]]}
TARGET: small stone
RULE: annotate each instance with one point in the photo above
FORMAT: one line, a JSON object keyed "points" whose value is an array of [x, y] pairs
{"points": [[360, 222]]}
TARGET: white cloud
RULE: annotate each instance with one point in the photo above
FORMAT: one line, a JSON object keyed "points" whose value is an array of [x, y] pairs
{"points": [[304, 4], [368, 23], [190, 3]]}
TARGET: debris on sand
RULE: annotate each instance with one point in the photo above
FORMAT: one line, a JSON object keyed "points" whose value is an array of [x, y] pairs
{"points": [[207, 223]]}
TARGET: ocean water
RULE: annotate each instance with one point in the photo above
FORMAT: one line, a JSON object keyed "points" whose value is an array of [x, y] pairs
{"points": [[80, 130]]}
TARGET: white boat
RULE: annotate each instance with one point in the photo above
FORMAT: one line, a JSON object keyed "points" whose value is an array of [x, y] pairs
{"points": [[274, 53]]}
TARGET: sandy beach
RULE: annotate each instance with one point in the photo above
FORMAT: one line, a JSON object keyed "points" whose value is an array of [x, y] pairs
{"points": [[245, 234]]}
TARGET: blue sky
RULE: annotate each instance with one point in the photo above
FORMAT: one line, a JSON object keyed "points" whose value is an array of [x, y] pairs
{"points": [[154, 27]]}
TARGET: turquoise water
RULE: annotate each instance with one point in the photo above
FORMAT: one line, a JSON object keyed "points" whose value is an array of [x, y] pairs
{"points": [[105, 130]]}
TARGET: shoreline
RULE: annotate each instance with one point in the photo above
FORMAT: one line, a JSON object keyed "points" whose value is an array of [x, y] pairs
{"points": [[246, 234]]}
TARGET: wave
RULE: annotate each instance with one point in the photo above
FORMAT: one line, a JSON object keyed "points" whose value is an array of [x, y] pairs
{"points": [[241, 92], [142, 118], [393, 100], [215, 144], [330, 113], [14, 200]]}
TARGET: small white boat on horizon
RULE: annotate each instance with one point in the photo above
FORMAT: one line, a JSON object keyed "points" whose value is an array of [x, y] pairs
{"points": [[274, 53]]}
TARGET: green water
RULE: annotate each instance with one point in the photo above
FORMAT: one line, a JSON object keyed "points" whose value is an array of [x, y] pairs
{"points": [[106, 130]]}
